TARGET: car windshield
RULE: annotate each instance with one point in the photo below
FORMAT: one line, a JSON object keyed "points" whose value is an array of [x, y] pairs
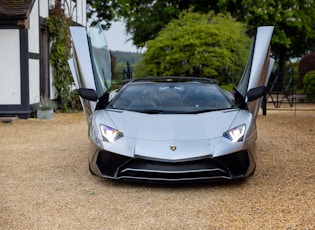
{"points": [[171, 97]]}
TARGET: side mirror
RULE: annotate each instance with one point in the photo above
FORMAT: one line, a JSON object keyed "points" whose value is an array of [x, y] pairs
{"points": [[239, 100], [255, 93], [88, 94]]}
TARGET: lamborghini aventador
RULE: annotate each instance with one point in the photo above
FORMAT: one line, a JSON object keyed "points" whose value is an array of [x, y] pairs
{"points": [[169, 128]]}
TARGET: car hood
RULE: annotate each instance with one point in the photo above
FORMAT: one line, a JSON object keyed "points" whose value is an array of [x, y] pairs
{"points": [[173, 137], [165, 127]]}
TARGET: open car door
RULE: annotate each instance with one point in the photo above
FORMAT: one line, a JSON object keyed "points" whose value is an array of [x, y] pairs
{"points": [[258, 68], [90, 65]]}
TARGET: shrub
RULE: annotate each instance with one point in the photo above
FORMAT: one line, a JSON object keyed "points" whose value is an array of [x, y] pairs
{"points": [[59, 35], [307, 64], [309, 85]]}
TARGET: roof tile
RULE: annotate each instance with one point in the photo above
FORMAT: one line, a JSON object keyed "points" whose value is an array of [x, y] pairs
{"points": [[15, 8]]}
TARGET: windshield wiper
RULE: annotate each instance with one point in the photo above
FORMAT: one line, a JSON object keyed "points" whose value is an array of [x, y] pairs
{"points": [[151, 111], [160, 111], [200, 111], [206, 110]]}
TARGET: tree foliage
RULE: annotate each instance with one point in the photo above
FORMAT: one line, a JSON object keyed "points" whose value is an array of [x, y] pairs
{"points": [[309, 85], [131, 57], [307, 64], [143, 19], [103, 11], [294, 32], [205, 45]]}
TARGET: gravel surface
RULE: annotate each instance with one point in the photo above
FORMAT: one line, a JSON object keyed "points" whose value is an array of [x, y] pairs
{"points": [[45, 182]]}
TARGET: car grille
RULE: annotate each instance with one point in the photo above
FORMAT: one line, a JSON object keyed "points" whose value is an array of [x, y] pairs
{"points": [[120, 167]]}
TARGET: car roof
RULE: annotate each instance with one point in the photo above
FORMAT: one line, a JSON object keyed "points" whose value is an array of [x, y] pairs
{"points": [[173, 79]]}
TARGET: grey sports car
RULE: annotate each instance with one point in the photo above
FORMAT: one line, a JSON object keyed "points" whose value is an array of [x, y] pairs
{"points": [[168, 128]]}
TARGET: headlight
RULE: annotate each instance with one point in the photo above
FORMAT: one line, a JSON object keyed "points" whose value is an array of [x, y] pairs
{"points": [[236, 134], [109, 134]]}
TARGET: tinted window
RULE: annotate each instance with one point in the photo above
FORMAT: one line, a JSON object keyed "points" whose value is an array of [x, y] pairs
{"points": [[164, 97]]}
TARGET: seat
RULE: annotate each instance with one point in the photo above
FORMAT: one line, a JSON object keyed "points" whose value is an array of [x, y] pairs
{"points": [[142, 103], [196, 100], [171, 99]]}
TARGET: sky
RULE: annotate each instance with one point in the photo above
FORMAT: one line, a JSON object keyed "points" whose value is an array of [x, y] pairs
{"points": [[116, 38]]}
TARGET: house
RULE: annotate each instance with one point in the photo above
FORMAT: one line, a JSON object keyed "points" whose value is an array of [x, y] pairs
{"points": [[25, 73]]}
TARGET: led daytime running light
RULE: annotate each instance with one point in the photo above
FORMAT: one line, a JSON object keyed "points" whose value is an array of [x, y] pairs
{"points": [[109, 134], [236, 134]]}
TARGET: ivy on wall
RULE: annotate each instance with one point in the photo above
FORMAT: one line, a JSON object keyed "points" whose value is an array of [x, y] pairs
{"points": [[59, 35]]}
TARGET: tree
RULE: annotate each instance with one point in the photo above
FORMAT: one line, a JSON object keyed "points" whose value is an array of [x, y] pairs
{"points": [[205, 45], [293, 20], [143, 19], [103, 11], [309, 85], [306, 65]]}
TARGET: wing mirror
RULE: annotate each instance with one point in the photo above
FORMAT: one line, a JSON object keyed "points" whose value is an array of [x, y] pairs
{"points": [[88, 94], [255, 93]]}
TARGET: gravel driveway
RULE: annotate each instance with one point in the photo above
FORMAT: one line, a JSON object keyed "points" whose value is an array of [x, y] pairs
{"points": [[45, 183]]}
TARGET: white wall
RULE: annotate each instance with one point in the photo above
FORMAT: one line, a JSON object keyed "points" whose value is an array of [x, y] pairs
{"points": [[33, 43], [43, 8], [33, 32], [77, 11], [34, 81], [10, 77], [81, 9]]}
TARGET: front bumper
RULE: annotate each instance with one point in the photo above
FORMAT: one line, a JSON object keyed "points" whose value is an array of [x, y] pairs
{"points": [[115, 166]]}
